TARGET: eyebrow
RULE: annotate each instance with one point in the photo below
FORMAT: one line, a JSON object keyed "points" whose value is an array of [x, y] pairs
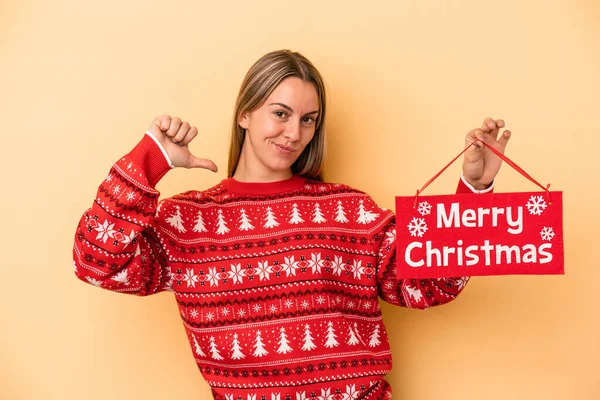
{"points": [[290, 108]]}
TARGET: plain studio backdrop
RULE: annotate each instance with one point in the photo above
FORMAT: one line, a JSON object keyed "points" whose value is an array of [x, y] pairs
{"points": [[80, 82]]}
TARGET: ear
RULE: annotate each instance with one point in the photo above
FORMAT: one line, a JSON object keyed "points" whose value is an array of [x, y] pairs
{"points": [[244, 120]]}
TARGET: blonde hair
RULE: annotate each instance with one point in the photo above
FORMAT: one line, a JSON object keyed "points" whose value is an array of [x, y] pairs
{"points": [[262, 78]]}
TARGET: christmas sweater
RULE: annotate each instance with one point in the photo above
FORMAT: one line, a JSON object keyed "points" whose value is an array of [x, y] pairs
{"points": [[277, 283]]}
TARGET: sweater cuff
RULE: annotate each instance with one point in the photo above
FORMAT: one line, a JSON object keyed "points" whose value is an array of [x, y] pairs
{"points": [[466, 187], [162, 149], [149, 157]]}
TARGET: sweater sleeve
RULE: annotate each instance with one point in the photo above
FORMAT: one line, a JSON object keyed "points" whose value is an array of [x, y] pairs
{"points": [[414, 293], [115, 245]]}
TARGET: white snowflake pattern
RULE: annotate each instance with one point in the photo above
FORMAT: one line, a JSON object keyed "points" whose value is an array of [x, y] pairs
{"points": [[127, 239], [417, 227], [117, 189], [321, 300], [337, 265], [130, 196], [241, 313], [213, 276], [351, 304], [273, 309], [257, 308], [289, 266], [190, 277], [461, 282], [105, 231], [264, 269], [315, 262], [536, 205], [351, 392], [367, 305], [194, 313], [547, 233], [390, 237], [109, 178], [236, 273], [288, 303], [210, 316], [304, 304], [357, 269], [389, 285], [225, 312], [424, 208]]}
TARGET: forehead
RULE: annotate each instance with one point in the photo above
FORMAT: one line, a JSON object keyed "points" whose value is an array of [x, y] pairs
{"points": [[296, 93]]}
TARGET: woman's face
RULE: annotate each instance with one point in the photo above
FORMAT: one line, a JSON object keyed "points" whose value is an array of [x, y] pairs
{"points": [[279, 130]]}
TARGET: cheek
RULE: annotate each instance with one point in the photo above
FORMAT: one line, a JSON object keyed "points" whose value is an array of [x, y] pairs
{"points": [[267, 127], [308, 136]]}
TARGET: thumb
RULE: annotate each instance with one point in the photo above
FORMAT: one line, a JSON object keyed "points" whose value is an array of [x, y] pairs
{"points": [[196, 162]]}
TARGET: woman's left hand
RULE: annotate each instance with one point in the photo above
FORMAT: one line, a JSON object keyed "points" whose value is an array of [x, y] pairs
{"points": [[480, 164]]}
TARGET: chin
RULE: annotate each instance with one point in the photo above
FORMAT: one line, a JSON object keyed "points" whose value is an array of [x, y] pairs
{"points": [[279, 166]]}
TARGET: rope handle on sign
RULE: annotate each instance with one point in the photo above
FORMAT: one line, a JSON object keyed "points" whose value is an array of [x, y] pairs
{"points": [[499, 154]]}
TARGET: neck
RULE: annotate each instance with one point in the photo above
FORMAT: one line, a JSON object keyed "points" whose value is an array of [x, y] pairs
{"points": [[252, 173]]}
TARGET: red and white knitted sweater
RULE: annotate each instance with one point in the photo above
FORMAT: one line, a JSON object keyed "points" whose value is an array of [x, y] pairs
{"points": [[277, 283]]}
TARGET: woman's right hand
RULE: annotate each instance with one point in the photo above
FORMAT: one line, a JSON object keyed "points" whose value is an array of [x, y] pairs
{"points": [[175, 136]]}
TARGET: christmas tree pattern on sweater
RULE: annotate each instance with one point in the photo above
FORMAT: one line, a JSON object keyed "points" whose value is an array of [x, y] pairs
{"points": [[277, 286]]}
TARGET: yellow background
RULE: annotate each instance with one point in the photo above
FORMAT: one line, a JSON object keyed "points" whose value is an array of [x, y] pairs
{"points": [[81, 81]]}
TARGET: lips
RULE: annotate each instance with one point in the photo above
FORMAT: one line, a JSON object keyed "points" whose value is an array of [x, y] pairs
{"points": [[284, 149]]}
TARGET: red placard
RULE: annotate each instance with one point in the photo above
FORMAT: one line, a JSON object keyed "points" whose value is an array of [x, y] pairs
{"points": [[479, 234]]}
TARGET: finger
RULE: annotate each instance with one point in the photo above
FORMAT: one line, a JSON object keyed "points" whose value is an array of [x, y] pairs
{"points": [[495, 133], [182, 132], [162, 122], [190, 136], [503, 141], [165, 122], [174, 127], [488, 125], [491, 128], [474, 135], [203, 163]]}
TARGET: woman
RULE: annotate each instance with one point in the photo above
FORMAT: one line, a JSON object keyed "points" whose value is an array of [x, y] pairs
{"points": [[277, 274]]}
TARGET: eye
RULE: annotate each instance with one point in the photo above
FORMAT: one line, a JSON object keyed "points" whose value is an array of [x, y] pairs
{"points": [[280, 114], [308, 120]]}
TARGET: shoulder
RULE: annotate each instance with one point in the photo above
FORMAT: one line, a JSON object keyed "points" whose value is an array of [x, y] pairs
{"points": [[216, 194]]}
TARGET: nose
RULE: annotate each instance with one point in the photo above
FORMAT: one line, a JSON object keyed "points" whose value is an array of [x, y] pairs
{"points": [[292, 131]]}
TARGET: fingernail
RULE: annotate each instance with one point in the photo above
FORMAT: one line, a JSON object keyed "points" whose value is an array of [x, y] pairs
{"points": [[492, 125]]}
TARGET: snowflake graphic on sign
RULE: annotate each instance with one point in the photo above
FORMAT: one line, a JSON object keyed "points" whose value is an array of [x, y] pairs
{"points": [[417, 227], [547, 233], [536, 205], [424, 208]]}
